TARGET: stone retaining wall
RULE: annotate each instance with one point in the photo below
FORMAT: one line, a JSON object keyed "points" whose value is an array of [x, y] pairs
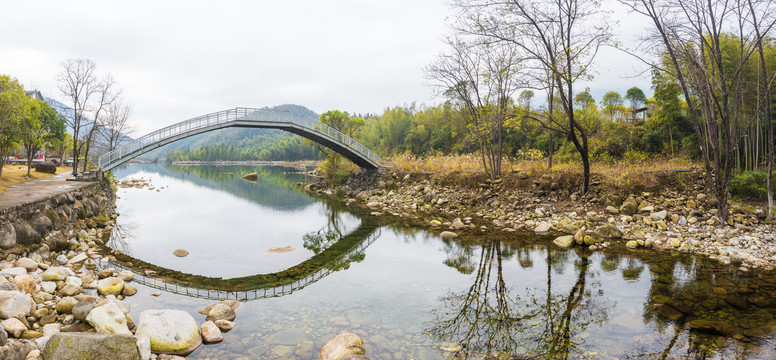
{"points": [[29, 224]]}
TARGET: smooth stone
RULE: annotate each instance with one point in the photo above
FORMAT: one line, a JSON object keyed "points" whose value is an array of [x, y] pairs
{"points": [[341, 346], [13, 327], [172, 332], [129, 290], [225, 325], [211, 334], [126, 275], [27, 263], [542, 228], [221, 312], [51, 329], [143, 346], [180, 253], [91, 346], [565, 241], [65, 305], [110, 286], [15, 303], [448, 235], [14, 271], [25, 283], [281, 249], [286, 337], [78, 259], [70, 290], [108, 318], [56, 273]]}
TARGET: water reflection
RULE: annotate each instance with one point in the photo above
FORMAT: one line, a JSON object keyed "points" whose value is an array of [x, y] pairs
{"points": [[411, 294], [492, 319]]}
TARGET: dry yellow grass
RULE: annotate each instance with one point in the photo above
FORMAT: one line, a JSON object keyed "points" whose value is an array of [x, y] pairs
{"points": [[14, 174], [619, 174]]}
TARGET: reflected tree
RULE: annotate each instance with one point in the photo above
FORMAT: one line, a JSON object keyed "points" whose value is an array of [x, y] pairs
{"points": [[487, 322], [323, 238]]}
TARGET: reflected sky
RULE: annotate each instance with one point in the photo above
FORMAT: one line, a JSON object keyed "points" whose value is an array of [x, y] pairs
{"points": [[225, 235]]}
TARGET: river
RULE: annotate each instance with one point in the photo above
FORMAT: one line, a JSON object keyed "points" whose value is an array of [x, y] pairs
{"points": [[410, 294]]}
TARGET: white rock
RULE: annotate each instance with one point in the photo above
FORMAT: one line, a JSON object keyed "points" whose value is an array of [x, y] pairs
{"points": [[12, 272], [56, 273], [172, 332], [109, 318], [14, 303], [51, 329], [74, 280], [48, 286], [143, 346], [211, 333], [110, 299], [78, 258], [27, 263], [40, 343], [13, 327], [657, 216]]}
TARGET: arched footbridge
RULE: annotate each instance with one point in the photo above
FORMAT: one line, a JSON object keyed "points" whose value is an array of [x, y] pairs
{"points": [[307, 127]]}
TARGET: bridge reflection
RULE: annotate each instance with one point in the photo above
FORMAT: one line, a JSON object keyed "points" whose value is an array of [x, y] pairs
{"points": [[339, 255]]}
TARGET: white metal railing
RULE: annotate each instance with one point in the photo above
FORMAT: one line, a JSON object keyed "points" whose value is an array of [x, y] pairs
{"points": [[253, 294], [283, 119]]}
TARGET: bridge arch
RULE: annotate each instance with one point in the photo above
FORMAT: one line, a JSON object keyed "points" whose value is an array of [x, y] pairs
{"points": [[307, 127]]}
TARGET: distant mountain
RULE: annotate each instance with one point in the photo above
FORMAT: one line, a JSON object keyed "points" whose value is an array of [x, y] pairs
{"points": [[230, 136]]}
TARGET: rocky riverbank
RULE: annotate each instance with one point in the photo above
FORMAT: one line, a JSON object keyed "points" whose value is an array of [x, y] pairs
{"points": [[58, 299], [674, 214]]}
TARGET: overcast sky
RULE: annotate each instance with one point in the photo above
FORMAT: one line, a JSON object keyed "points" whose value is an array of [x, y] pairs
{"points": [[178, 59]]}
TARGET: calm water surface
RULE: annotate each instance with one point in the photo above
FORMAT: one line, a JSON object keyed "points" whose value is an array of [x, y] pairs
{"points": [[411, 295]]}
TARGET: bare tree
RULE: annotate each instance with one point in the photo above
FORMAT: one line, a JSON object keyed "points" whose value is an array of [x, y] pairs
{"points": [[558, 38], [88, 95], [695, 34], [481, 78], [114, 126]]}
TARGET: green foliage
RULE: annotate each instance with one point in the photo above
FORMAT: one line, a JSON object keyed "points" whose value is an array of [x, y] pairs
{"points": [[14, 108], [612, 102], [749, 184], [635, 97], [260, 147]]}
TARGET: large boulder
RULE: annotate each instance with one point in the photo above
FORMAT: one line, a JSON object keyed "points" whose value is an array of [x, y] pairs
{"points": [[342, 345], [108, 318], [91, 346], [7, 235], [25, 234], [56, 220], [17, 350], [42, 224], [172, 332], [15, 304]]}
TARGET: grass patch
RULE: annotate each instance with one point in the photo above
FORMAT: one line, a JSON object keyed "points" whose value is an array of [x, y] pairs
{"points": [[15, 174]]}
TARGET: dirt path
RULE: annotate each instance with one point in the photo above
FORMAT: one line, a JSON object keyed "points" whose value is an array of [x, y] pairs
{"points": [[34, 190]]}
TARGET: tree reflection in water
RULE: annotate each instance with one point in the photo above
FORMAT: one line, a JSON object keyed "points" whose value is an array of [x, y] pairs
{"points": [[491, 320]]}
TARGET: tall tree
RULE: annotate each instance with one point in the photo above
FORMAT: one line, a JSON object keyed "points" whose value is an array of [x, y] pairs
{"points": [[42, 128], [635, 97], [14, 106], [612, 102], [696, 35], [558, 38], [88, 96], [481, 78], [114, 126]]}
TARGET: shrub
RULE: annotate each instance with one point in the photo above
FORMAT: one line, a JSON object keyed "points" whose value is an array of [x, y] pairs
{"points": [[750, 184], [46, 167]]}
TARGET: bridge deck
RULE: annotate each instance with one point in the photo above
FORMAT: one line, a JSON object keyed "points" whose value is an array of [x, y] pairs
{"points": [[309, 128]]}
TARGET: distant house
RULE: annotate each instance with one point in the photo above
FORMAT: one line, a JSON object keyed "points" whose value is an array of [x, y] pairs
{"points": [[35, 94]]}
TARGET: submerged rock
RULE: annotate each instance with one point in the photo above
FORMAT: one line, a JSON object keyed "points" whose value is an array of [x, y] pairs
{"points": [[281, 249], [341, 346], [180, 253]]}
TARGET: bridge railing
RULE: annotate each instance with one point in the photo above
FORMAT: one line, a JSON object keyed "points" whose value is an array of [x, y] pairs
{"points": [[224, 117]]}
